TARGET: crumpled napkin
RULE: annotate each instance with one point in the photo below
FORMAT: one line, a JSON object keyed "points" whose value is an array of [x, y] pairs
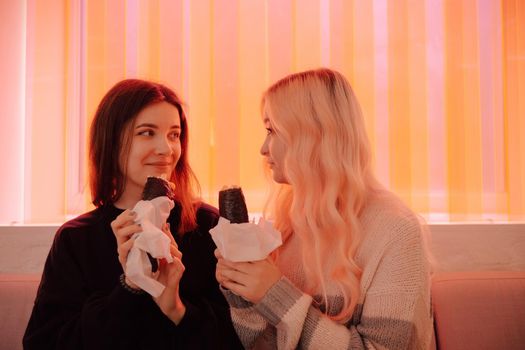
{"points": [[246, 241], [151, 215]]}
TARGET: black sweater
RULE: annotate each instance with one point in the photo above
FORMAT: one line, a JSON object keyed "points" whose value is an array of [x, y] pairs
{"points": [[80, 303]]}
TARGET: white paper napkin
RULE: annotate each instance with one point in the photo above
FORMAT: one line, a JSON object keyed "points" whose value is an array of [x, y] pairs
{"points": [[151, 215], [247, 241]]}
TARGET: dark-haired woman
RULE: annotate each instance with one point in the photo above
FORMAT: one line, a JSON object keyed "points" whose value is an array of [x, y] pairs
{"points": [[85, 299]]}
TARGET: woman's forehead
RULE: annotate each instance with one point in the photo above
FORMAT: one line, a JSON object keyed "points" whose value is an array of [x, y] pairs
{"points": [[161, 112]]}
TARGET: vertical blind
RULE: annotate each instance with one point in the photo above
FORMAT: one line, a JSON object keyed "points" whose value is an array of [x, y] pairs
{"points": [[441, 84]]}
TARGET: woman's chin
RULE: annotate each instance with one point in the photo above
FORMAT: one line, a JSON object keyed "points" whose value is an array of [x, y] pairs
{"points": [[277, 177], [160, 172]]}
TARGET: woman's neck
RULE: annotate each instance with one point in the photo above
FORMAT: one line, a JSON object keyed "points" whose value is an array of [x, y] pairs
{"points": [[128, 200]]}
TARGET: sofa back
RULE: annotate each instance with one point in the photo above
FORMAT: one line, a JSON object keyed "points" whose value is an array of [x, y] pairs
{"points": [[17, 296], [479, 310], [472, 310]]}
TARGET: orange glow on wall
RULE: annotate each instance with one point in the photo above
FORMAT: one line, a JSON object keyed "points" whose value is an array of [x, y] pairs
{"points": [[441, 84]]}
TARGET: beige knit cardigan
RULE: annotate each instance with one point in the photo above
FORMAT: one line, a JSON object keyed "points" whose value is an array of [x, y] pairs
{"points": [[393, 311]]}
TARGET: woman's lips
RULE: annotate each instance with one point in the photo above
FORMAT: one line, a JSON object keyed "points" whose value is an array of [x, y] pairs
{"points": [[159, 164]]}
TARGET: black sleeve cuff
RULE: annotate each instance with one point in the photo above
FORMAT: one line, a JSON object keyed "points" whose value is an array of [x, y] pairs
{"points": [[125, 303], [192, 317]]}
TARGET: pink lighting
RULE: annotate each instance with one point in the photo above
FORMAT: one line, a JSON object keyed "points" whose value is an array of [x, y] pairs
{"points": [[440, 83], [13, 132]]}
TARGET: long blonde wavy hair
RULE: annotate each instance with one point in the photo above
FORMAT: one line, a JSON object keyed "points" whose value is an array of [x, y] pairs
{"points": [[328, 170]]}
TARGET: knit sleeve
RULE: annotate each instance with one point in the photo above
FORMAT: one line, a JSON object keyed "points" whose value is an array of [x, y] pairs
{"points": [[395, 312], [299, 324], [248, 323]]}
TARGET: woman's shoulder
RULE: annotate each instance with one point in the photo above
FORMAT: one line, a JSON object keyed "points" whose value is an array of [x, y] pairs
{"points": [[207, 209], [390, 225], [387, 213], [207, 215], [85, 222]]}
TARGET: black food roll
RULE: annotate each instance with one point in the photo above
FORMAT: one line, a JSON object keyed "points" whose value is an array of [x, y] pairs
{"points": [[232, 205], [156, 187]]}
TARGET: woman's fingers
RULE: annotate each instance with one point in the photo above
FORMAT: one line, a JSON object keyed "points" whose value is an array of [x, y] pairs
{"points": [[228, 271], [217, 253], [250, 280], [239, 266], [175, 252], [234, 287], [121, 220], [124, 226], [236, 272], [178, 267], [125, 233], [123, 251], [173, 272], [235, 276], [167, 231], [166, 228]]}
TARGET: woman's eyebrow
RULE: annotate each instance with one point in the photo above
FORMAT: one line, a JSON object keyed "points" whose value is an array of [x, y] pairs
{"points": [[146, 125], [154, 126]]}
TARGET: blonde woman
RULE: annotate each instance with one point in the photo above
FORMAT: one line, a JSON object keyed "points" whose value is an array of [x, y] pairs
{"points": [[352, 272]]}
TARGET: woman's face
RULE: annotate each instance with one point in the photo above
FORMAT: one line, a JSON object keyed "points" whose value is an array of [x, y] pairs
{"points": [[155, 146], [274, 150]]}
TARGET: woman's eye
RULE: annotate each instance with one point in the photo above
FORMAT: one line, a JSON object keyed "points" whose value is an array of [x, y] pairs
{"points": [[269, 131], [145, 133], [174, 135]]}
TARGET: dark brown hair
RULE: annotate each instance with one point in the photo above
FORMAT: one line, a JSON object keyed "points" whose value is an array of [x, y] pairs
{"points": [[109, 142]]}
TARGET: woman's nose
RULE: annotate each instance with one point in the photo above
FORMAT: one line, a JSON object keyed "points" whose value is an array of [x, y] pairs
{"points": [[264, 147], [163, 146]]}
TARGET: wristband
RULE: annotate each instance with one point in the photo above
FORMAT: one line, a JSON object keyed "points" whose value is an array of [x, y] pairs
{"points": [[128, 287]]}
